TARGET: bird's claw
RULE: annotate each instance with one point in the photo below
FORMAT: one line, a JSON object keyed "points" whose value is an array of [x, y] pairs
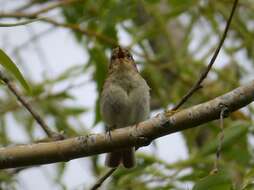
{"points": [[169, 113], [108, 132]]}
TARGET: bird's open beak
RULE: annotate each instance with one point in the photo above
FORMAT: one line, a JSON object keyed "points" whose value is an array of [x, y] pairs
{"points": [[120, 53]]}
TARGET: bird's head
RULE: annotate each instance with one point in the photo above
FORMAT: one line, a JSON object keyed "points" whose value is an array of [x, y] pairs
{"points": [[121, 59]]}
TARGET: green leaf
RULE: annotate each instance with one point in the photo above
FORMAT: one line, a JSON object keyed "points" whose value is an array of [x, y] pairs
{"points": [[74, 110], [10, 66], [219, 181]]}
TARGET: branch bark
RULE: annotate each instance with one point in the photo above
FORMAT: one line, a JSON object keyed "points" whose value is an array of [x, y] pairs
{"points": [[140, 135]]}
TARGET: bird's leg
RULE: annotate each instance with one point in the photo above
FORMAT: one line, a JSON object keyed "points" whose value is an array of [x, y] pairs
{"points": [[169, 113], [108, 131]]}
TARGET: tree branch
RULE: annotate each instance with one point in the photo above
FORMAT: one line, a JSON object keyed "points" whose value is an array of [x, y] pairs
{"points": [[140, 135], [22, 23], [204, 74], [29, 108], [103, 178], [74, 27]]}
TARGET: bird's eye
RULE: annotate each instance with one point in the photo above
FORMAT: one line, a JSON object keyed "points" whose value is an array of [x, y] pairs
{"points": [[129, 56], [113, 57]]}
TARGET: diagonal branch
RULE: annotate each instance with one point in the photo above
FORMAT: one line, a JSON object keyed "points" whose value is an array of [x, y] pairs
{"points": [[103, 178], [204, 74], [29, 108], [140, 135], [22, 23]]}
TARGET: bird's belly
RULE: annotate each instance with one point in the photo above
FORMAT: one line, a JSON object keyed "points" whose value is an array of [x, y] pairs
{"points": [[115, 107], [117, 114], [125, 105], [126, 111]]}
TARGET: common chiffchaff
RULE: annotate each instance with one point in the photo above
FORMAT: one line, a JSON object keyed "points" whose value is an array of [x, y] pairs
{"points": [[125, 101]]}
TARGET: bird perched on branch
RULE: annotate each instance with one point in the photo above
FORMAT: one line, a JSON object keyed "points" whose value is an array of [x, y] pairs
{"points": [[125, 101]]}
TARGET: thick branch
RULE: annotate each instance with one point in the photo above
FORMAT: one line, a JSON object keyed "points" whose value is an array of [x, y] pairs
{"points": [[141, 135]]}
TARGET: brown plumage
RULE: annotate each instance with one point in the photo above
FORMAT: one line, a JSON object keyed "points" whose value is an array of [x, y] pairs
{"points": [[125, 101]]}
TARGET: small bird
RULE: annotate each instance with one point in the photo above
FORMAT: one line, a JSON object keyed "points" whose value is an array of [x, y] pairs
{"points": [[125, 101]]}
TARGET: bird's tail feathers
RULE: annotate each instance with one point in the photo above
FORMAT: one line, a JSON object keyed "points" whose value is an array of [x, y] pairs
{"points": [[125, 156]]}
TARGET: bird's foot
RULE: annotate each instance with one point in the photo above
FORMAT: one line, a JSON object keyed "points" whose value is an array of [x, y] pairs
{"points": [[108, 132], [169, 113]]}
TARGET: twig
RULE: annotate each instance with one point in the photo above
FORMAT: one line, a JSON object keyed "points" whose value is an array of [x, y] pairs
{"points": [[29, 108], [223, 113], [17, 15], [204, 74], [74, 27], [50, 7], [55, 5], [103, 178], [22, 23]]}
